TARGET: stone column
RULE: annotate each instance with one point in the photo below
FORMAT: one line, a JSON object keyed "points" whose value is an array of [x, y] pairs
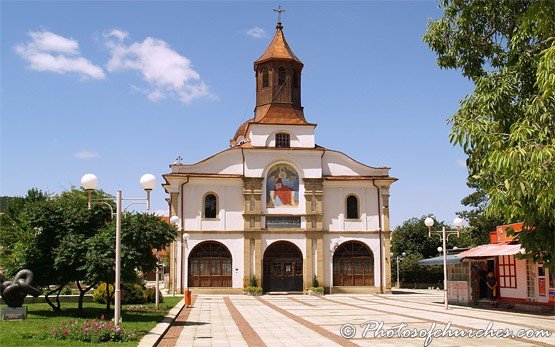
{"points": [[247, 255], [385, 203], [258, 255], [174, 250], [320, 258], [307, 263], [314, 194], [387, 247], [252, 202]]}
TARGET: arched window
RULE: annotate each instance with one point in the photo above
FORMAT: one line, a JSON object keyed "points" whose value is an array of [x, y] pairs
{"points": [[352, 207], [281, 76], [283, 140], [210, 206], [265, 78], [295, 79]]}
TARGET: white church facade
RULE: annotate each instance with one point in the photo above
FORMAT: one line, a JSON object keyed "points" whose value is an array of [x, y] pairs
{"points": [[277, 206]]}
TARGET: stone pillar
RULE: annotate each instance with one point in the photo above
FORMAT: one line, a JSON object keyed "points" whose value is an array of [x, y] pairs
{"points": [[385, 204], [320, 258], [247, 255], [174, 250], [307, 263], [387, 256], [258, 258], [314, 195], [252, 202]]}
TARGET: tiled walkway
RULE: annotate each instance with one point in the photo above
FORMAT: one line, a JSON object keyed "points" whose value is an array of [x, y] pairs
{"points": [[298, 320]]}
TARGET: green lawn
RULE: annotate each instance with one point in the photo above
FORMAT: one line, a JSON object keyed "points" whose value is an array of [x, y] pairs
{"points": [[41, 319]]}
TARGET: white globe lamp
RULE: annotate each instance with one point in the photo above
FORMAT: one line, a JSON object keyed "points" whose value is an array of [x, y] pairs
{"points": [[148, 182], [89, 181]]}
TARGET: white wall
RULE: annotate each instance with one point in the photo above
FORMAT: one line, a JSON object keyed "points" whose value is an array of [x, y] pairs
{"points": [[229, 161], [335, 195], [335, 163], [262, 135], [521, 290], [258, 162], [230, 204]]}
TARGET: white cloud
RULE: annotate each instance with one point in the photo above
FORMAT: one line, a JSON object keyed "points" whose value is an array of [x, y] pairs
{"points": [[461, 163], [86, 155], [50, 42], [257, 33], [118, 34], [51, 52], [168, 73]]}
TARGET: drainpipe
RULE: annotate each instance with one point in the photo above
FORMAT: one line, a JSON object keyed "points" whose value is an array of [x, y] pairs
{"points": [[182, 228], [243, 155], [380, 234]]}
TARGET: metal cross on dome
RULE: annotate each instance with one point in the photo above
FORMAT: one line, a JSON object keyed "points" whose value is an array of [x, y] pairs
{"points": [[279, 10]]}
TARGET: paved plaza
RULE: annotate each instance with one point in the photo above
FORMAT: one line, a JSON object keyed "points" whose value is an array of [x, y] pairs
{"points": [[302, 320]]}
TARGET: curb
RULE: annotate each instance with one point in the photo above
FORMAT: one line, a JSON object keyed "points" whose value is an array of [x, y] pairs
{"points": [[155, 335]]}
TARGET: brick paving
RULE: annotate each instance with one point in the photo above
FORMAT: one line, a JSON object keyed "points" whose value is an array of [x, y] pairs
{"points": [[250, 336], [302, 320], [170, 338]]}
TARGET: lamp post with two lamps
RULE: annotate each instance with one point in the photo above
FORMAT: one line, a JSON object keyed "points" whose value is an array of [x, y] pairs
{"points": [[444, 236], [402, 255], [89, 182]]}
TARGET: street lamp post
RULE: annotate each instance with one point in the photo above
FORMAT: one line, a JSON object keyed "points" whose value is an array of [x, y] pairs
{"points": [[398, 283], [444, 235], [157, 295], [89, 182]]}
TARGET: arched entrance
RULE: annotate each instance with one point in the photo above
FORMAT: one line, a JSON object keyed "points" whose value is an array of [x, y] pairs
{"points": [[210, 265], [283, 267], [353, 265]]}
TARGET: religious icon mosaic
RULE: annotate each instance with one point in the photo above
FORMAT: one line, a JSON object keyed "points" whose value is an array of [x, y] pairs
{"points": [[282, 187]]}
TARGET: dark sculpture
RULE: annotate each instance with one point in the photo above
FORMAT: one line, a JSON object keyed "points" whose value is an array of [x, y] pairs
{"points": [[14, 292]]}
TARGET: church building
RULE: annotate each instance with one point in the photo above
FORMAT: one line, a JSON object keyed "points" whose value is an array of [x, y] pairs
{"points": [[277, 206]]}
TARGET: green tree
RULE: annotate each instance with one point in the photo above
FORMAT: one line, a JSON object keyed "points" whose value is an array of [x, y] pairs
{"points": [[412, 238], [479, 224], [141, 234], [47, 237], [507, 125]]}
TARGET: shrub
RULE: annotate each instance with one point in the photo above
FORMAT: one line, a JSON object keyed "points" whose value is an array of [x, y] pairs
{"points": [[94, 331], [150, 295], [66, 291], [317, 289], [133, 294], [99, 295], [130, 294], [315, 281], [253, 289], [253, 281]]}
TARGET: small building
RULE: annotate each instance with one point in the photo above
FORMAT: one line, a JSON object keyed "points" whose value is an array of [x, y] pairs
{"points": [[521, 282]]}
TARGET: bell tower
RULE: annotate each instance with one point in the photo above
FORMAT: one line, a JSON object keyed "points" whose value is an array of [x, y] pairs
{"points": [[278, 82]]}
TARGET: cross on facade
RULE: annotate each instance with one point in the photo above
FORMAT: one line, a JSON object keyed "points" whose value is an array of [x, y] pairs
{"points": [[279, 10]]}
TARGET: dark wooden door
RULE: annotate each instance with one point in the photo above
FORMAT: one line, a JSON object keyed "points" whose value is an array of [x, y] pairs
{"points": [[353, 265], [210, 266], [283, 268]]}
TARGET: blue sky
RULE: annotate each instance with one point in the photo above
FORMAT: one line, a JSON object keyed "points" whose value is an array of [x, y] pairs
{"points": [[123, 88]]}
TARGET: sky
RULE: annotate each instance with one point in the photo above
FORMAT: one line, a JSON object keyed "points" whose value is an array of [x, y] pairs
{"points": [[120, 89]]}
